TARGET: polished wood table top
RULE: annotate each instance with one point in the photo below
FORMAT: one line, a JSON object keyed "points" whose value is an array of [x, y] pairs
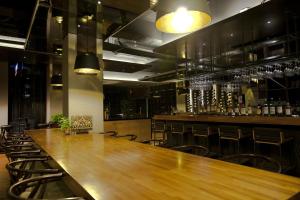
{"points": [[260, 120], [115, 169]]}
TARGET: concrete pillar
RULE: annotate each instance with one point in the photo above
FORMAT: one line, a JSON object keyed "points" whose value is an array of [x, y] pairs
{"points": [[3, 92], [54, 95], [82, 94]]}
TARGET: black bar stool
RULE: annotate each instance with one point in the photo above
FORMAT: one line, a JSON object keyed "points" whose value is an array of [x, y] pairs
{"points": [[178, 132], [270, 136], [232, 133], [203, 131], [158, 132]]}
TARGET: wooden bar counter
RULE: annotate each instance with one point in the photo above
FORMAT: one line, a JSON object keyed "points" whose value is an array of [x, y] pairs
{"points": [[115, 169], [256, 120]]}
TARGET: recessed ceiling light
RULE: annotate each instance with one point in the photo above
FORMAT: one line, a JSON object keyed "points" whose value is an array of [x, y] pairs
{"points": [[10, 45], [12, 39], [231, 35], [269, 22], [99, 2]]}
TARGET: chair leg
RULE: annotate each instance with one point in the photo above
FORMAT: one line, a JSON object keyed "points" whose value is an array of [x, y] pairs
{"points": [[280, 154], [220, 148], [238, 146], [208, 143]]}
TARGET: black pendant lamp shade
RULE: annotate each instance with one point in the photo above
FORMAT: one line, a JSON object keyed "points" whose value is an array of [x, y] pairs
{"points": [[56, 80], [87, 63]]}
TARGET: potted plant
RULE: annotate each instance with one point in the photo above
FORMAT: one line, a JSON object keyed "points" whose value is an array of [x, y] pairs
{"points": [[65, 125], [55, 120]]}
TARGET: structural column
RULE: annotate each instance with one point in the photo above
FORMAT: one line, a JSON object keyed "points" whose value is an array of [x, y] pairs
{"points": [[4, 92], [82, 94]]}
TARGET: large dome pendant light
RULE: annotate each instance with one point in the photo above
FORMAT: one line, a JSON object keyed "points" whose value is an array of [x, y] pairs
{"points": [[87, 63], [182, 16]]}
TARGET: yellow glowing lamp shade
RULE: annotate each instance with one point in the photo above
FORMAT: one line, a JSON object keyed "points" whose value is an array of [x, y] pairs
{"points": [[183, 16]]}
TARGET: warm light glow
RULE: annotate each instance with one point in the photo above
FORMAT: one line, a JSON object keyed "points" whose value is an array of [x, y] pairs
{"points": [[56, 84], [12, 39], [10, 45], [59, 19], [182, 21], [86, 71]]}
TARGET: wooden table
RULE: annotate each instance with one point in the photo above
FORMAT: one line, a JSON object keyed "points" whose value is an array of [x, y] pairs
{"points": [[115, 169], [245, 120]]}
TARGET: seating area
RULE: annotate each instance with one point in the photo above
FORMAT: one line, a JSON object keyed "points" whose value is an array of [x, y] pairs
{"points": [[237, 144], [29, 167]]}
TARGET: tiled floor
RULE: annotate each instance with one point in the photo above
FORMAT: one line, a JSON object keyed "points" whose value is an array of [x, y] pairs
{"points": [[4, 178]]}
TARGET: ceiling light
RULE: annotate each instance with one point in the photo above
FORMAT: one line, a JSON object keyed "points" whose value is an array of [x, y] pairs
{"points": [[87, 63], [12, 39], [86, 18], [99, 2], [269, 22], [56, 80], [10, 45], [244, 9], [59, 19], [175, 16], [123, 57]]}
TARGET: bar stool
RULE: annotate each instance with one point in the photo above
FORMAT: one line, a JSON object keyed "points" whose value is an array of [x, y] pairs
{"points": [[158, 132], [203, 131], [270, 136], [232, 133], [178, 132]]}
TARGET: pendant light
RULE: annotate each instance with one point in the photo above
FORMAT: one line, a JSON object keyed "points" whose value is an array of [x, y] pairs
{"points": [[87, 63], [182, 16], [56, 80]]}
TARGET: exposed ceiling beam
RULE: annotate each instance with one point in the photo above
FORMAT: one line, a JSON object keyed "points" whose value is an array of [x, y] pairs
{"points": [[133, 6]]}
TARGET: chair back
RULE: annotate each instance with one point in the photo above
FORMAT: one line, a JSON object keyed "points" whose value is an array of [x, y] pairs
{"points": [[158, 126], [26, 168], [266, 135], [177, 128], [200, 130], [229, 132]]}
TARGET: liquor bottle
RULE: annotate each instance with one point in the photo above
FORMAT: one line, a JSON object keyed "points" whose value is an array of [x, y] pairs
{"points": [[288, 109], [272, 108], [237, 110], [265, 108], [297, 108], [249, 109], [279, 109], [243, 109], [258, 110]]}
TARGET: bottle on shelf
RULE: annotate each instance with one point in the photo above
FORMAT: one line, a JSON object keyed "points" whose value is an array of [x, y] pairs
{"points": [[265, 110], [279, 109], [243, 109], [249, 109], [272, 108], [258, 110], [237, 110], [297, 108], [288, 109]]}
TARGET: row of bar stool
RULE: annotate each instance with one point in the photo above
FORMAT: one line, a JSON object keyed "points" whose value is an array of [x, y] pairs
{"points": [[30, 173], [178, 134]]}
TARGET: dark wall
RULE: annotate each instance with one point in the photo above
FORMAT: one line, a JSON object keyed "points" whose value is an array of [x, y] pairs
{"points": [[27, 92]]}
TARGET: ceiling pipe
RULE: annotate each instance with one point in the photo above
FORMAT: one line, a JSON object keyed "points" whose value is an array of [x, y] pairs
{"points": [[31, 22]]}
